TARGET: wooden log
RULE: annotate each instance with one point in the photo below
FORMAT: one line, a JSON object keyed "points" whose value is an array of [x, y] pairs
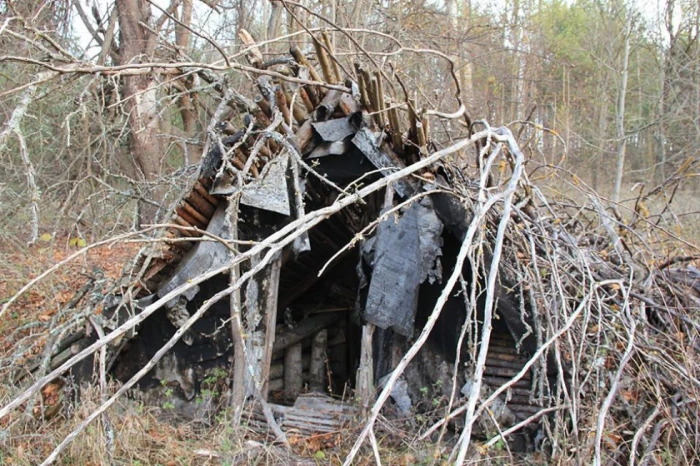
{"points": [[192, 220], [275, 385], [329, 46], [200, 218], [263, 121], [251, 374], [420, 139], [328, 105], [254, 56], [376, 104], [363, 84], [307, 327], [306, 100], [293, 382], [277, 366], [264, 106], [323, 61], [202, 191], [395, 129], [182, 222], [200, 204], [300, 115], [311, 414], [498, 362], [282, 104], [426, 125], [304, 135], [317, 369], [301, 59]]}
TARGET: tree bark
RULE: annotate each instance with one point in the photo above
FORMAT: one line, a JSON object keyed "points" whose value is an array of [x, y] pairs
{"points": [[140, 96], [622, 140]]}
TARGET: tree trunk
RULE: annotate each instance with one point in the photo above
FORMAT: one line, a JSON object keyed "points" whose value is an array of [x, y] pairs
{"points": [[622, 140], [192, 152], [140, 96]]}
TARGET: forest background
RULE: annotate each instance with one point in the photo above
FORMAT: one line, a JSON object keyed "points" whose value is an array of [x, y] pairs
{"points": [[609, 90]]}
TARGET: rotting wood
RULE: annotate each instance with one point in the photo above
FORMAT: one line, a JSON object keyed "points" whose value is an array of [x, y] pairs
{"points": [[253, 55], [311, 414], [302, 60], [364, 390], [293, 382], [334, 61], [307, 327], [271, 296], [323, 61], [317, 369], [282, 104]]}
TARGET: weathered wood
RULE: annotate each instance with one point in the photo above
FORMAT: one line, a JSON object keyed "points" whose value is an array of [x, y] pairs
{"points": [[202, 191], [317, 369], [420, 136], [363, 85], [376, 104], [323, 61], [264, 106], [281, 101], [381, 107], [201, 205], [304, 135], [277, 366], [293, 382], [311, 414], [327, 107], [254, 56], [425, 120], [348, 105], [307, 327], [329, 46], [306, 100], [200, 218], [364, 390], [301, 59], [271, 294], [298, 108]]}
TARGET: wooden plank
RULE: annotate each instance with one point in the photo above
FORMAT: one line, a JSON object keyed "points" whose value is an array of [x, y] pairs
{"points": [[364, 390], [271, 290]]}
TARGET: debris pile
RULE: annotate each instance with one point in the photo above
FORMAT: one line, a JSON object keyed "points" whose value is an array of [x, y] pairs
{"points": [[329, 245]]}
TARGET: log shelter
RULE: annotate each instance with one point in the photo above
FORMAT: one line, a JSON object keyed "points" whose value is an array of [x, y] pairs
{"points": [[331, 313]]}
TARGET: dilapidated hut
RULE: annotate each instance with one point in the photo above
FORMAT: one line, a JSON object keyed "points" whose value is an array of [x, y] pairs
{"points": [[329, 247]]}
